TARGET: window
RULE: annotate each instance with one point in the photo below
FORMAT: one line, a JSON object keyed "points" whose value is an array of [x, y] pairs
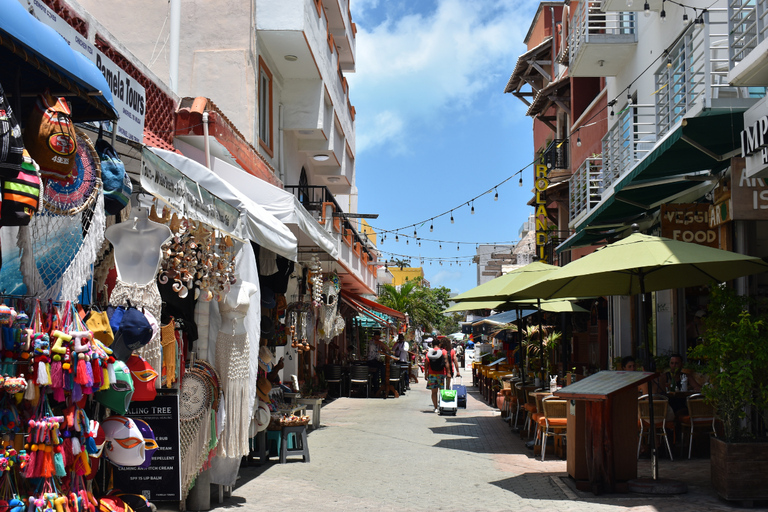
{"points": [[265, 108]]}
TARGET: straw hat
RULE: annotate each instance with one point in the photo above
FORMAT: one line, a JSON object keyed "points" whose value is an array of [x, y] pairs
{"points": [[263, 387], [262, 416]]}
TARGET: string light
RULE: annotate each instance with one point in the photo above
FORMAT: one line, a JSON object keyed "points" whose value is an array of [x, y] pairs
{"points": [[473, 208], [647, 10], [685, 16], [629, 99], [397, 238], [452, 217], [629, 3], [521, 181], [457, 247], [431, 227], [496, 197], [663, 13], [578, 141]]}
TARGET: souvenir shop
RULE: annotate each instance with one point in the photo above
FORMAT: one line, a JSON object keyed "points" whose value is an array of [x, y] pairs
{"points": [[129, 326]]}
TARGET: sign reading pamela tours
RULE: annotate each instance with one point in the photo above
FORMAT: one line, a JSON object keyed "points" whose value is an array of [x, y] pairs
{"points": [[161, 481]]}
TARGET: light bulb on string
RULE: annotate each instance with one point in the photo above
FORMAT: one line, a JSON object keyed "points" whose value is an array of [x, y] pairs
{"points": [[441, 247], [406, 241], [452, 217], [496, 197], [473, 208], [521, 181], [629, 98], [647, 10], [457, 247], [663, 13], [397, 238], [578, 141], [414, 232], [431, 227], [629, 3], [685, 16]]}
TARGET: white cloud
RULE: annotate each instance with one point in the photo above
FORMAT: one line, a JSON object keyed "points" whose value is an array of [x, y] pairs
{"points": [[418, 68]]}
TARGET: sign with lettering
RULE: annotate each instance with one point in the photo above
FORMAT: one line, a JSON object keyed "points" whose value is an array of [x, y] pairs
{"points": [[161, 481], [754, 139], [688, 223], [749, 195], [128, 95], [171, 186], [541, 183]]}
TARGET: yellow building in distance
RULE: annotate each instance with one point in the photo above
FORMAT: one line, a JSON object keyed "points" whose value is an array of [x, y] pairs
{"points": [[404, 275]]}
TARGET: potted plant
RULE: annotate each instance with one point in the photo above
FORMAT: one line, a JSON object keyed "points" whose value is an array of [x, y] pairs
{"points": [[734, 355]]}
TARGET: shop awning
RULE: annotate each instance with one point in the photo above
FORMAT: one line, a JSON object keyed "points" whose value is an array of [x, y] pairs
{"points": [[284, 206], [251, 221], [373, 305], [366, 313], [505, 317], [678, 165], [41, 59]]}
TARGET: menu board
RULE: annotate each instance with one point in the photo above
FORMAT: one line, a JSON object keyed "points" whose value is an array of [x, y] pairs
{"points": [[161, 481]]}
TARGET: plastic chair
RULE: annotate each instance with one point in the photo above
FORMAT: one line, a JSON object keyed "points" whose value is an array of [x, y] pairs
{"points": [[660, 404], [334, 375], [701, 415], [554, 421], [358, 375]]}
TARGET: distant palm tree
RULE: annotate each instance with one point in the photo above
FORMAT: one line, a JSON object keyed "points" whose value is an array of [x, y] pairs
{"points": [[402, 300]]}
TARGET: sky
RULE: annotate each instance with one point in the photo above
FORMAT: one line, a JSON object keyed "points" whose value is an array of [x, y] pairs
{"points": [[434, 128]]}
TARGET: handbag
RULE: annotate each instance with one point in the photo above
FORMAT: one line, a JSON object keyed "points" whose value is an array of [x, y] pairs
{"points": [[50, 138], [98, 322], [21, 193], [117, 183], [11, 142]]}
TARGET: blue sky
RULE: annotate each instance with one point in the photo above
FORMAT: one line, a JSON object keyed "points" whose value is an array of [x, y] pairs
{"points": [[434, 128]]}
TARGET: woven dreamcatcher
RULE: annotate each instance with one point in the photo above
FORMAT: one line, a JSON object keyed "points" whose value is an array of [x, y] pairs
{"points": [[196, 396], [60, 244]]}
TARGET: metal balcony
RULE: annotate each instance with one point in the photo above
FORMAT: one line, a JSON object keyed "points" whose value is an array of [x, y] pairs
{"points": [[556, 155], [600, 43], [584, 189], [631, 137], [747, 31]]}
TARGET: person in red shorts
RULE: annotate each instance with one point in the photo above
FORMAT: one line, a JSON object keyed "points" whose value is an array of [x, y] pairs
{"points": [[436, 366]]}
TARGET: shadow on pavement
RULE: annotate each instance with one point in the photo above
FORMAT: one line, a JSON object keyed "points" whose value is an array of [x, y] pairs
{"points": [[478, 434], [533, 486]]}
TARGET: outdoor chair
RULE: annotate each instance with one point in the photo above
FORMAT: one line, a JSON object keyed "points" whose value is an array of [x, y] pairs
{"points": [[530, 407], [538, 416], [554, 421], [659, 428], [701, 416], [519, 402], [334, 375], [359, 375], [394, 377]]}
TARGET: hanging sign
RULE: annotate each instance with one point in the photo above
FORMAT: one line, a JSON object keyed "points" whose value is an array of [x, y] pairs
{"points": [[750, 195], [161, 481], [128, 95], [184, 195], [689, 223], [541, 183]]}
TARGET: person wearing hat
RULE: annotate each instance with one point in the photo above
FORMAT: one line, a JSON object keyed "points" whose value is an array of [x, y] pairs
{"points": [[436, 374]]}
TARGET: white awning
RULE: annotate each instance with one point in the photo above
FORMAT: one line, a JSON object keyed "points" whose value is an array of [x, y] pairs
{"points": [[259, 225], [283, 205]]}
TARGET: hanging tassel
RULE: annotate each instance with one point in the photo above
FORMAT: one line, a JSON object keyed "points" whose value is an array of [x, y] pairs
{"points": [[48, 467], [42, 374], [84, 465], [104, 379], [90, 446], [76, 447], [29, 393], [77, 392], [59, 395], [29, 470], [89, 378], [66, 451], [111, 370], [57, 375], [58, 462], [98, 376], [82, 376]]}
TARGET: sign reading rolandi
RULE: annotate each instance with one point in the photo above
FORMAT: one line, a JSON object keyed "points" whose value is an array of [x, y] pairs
{"points": [[541, 182]]}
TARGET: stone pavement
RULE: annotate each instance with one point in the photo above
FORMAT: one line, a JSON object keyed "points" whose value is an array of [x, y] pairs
{"points": [[397, 454]]}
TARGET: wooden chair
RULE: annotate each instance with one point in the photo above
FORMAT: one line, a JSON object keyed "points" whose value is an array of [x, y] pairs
{"points": [[554, 422], [659, 428], [701, 415]]}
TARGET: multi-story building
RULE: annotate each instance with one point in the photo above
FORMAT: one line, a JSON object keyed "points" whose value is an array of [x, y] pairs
{"points": [[490, 259], [651, 100]]}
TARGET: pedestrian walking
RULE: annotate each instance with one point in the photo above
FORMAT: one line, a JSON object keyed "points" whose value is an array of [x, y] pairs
{"points": [[435, 368]]}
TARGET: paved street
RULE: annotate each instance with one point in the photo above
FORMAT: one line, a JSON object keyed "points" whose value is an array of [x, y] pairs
{"points": [[396, 454]]}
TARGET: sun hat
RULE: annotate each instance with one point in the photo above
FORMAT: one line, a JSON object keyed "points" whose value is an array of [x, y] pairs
{"points": [[125, 442], [263, 416], [267, 327], [263, 387], [434, 353], [265, 358]]}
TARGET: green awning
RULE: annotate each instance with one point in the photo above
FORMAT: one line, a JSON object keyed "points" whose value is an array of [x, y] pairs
{"points": [[680, 162]]}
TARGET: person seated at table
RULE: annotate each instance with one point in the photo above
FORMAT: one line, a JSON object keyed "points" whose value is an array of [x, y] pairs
{"points": [[376, 347], [671, 381], [629, 364]]}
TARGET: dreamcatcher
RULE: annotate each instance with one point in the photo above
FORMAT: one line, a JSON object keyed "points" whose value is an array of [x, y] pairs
{"points": [[60, 244], [331, 322], [197, 395], [299, 325]]}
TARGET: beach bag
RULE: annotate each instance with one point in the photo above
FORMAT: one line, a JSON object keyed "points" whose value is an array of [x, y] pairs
{"points": [[11, 143], [116, 182], [21, 192], [50, 138]]}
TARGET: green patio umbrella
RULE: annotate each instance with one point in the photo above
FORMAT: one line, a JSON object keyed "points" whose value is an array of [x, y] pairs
{"points": [[474, 305], [639, 264], [503, 287], [643, 263]]}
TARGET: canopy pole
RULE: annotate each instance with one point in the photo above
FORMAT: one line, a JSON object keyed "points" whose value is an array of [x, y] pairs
{"points": [[644, 342], [541, 344], [523, 356]]}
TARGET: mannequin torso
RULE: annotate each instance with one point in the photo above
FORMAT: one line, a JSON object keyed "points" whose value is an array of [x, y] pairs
{"points": [[137, 245]]}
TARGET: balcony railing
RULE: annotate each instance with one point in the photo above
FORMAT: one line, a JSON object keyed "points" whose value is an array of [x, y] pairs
{"points": [[556, 154], [631, 137], [585, 187], [592, 25], [747, 27]]}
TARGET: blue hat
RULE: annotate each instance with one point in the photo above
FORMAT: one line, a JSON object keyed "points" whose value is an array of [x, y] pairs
{"points": [[135, 330]]}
